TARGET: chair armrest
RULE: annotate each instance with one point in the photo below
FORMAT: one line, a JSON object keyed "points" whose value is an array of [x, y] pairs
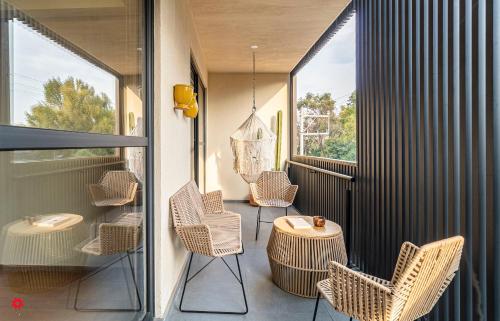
{"points": [[357, 295], [406, 254], [290, 193], [119, 238], [213, 202], [97, 193], [254, 189], [132, 189], [197, 238]]}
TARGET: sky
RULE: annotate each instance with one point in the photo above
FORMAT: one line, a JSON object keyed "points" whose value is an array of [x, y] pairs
{"points": [[333, 69], [36, 59]]}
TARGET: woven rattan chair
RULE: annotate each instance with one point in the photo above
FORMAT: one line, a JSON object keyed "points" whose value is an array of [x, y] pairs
{"points": [[420, 278], [272, 189], [122, 236], [116, 188], [206, 229]]}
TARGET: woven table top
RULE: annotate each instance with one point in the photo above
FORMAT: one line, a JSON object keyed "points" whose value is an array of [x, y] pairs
{"points": [[22, 227], [330, 229]]}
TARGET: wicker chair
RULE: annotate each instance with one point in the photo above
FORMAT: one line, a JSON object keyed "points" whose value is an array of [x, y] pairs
{"points": [[122, 236], [420, 278], [206, 229], [272, 189], [116, 188]]}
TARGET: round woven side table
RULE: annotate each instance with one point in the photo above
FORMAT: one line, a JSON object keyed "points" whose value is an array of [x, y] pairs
{"points": [[40, 258], [299, 257]]}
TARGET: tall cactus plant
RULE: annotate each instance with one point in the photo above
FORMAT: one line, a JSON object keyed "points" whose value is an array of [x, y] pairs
{"points": [[279, 125]]}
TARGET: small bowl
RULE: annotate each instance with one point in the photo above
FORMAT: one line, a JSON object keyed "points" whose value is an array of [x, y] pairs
{"points": [[319, 221]]}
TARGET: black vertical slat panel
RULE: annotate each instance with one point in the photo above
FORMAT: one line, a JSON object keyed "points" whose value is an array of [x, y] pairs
{"points": [[377, 115], [404, 119], [391, 206], [445, 149], [481, 106], [370, 111], [397, 136], [456, 145], [411, 145], [418, 155], [426, 64], [385, 141], [468, 160], [436, 173], [496, 156], [425, 122]]}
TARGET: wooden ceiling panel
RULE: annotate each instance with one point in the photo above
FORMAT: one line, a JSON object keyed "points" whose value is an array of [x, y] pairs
{"points": [[284, 30]]}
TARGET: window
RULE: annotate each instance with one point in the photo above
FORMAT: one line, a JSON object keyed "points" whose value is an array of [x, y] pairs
{"points": [[57, 89], [325, 96], [73, 183]]}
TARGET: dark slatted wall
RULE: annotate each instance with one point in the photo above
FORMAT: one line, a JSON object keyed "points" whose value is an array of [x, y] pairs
{"points": [[428, 86], [319, 193]]}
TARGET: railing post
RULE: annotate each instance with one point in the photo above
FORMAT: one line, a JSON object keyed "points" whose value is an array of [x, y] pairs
{"points": [[348, 220]]}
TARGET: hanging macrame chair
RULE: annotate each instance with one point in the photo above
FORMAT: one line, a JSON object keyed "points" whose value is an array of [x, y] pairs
{"points": [[252, 145]]}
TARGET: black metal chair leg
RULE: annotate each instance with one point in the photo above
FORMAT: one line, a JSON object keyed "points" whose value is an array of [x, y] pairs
{"points": [[242, 285], [286, 211], [187, 279], [257, 228], [135, 282], [316, 306], [80, 281]]}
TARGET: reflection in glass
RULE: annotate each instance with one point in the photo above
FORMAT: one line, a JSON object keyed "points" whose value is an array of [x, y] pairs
{"points": [[72, 66], [72, 231]]}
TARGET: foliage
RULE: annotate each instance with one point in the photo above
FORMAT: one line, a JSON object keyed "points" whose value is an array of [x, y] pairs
{"points": [[74, 105], [340, 141]]}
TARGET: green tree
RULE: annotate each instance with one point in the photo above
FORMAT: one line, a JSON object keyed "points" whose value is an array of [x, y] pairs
{"points": [[341, 140], [73, 105], [315, 105]]}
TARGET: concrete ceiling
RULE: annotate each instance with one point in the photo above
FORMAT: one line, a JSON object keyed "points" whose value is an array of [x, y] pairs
{"points": [[284, 30]]}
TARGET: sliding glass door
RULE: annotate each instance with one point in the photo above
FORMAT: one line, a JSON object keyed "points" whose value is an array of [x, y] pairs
{"points": [[73, 153]]}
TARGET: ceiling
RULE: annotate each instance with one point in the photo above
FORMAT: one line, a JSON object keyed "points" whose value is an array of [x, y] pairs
{"points": [[106, 30], [284, 30]]}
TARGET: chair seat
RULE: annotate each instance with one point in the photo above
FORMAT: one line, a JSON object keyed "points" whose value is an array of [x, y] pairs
{"points": [[273, 203], [225, 230], [112, 202], [129, 219]]}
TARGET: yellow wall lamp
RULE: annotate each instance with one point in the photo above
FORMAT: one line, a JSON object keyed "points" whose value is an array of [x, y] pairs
{"points": [[185, 100]]}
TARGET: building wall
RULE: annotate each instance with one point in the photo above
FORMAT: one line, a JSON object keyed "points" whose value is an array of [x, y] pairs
{"points": [[428, 144], [229, 105], [175, 41]]}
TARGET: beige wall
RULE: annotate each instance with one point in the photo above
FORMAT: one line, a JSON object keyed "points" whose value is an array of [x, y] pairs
{"points": [[175, 40], [229, 104]]}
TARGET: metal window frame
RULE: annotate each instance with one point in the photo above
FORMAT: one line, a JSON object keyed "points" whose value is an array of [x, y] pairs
{"points": [[25, 138], [338, 23]]}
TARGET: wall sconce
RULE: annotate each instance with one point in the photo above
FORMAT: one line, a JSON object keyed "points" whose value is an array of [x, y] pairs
{"points": [[192, 111], [183, 96]]}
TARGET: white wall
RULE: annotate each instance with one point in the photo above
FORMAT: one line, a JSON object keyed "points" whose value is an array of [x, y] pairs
{"points": [[175, 40], [229, 105]]}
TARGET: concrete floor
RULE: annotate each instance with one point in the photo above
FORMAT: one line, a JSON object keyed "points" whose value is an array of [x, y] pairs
{"points": [[216, 289]]}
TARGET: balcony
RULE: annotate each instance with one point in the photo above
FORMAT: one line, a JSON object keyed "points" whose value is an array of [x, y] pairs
{"points": [[384, 113]]}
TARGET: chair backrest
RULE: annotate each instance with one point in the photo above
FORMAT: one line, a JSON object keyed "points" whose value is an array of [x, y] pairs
{"points": [[425, 277], [273, 184], [186, 205], [119, 184]]}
